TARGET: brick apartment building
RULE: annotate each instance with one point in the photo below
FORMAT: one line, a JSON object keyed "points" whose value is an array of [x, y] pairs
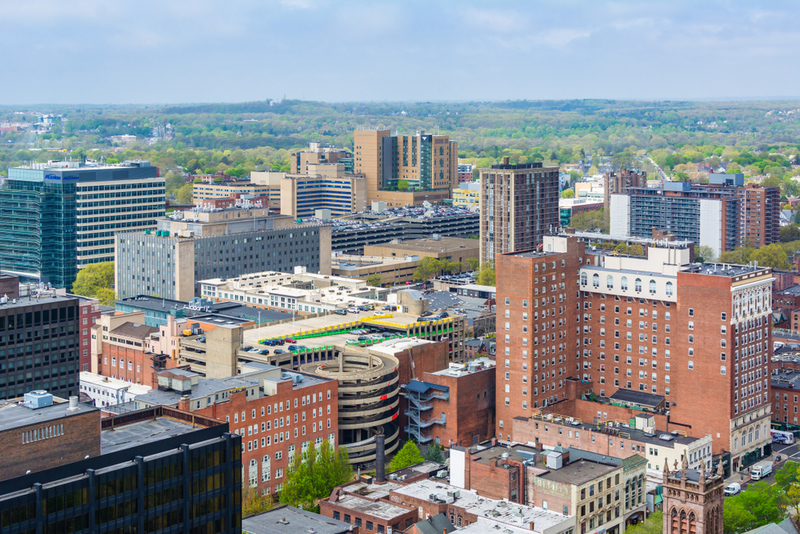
{"points": [[641, 329], [276, 412], [519, 205], [454, 406], [618, 182], [89, 314], [537, 346], [785, 383]]}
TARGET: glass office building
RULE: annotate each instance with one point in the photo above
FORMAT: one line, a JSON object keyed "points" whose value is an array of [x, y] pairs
{"points": [[56, 218]]}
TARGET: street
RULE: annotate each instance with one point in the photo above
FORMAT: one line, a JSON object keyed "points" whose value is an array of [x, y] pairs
{"points": [[784, 451]]}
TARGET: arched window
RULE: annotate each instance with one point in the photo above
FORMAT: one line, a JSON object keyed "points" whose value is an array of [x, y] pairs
{"points": [[252, 473], [266, 468], [750, 436], [623, 283], [596, 280], [652, 287], [583, 279], [609, 282], [669, 289], [637, 285]]}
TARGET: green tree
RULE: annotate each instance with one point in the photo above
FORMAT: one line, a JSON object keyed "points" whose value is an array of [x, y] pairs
{"points": [[636, 250], [771, 256], [434, 453], [96, 280], [790, 232], [703, 253], [757, 506], [374, 280], [788, 479], [408, 455], [590, 221], [313, 474], [487, 275], [473, 263], [739, 255], [654, 524], [568, 193], [253, 503], [428, 268], [402, 185], [184, 194]]}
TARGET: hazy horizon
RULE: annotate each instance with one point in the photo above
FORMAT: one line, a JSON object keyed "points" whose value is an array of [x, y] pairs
{"points": [[189, 52]]}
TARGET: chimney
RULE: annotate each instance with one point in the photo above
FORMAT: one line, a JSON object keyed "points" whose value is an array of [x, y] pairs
{"points": [[185, 404], [380, 459], [494, 442], [505, 160], [73, 404]]}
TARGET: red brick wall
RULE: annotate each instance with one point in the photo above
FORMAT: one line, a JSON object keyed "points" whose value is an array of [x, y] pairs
{"points": [[469, 410], [81, 438], [494, 481], [86, 320], [232, 410], [546, 433], [398, 524], [785, 405]]}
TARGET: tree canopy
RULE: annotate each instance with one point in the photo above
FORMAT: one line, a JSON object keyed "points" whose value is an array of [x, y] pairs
{"points": [[313, 474], [96, 280], [487, 275], [753, 508], [374, 280], [771, 256], [434, 453], [654, 524], [408, 455]]}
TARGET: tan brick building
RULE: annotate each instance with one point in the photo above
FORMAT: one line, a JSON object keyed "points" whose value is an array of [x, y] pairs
{"points": [[617, 182], [427, 162]]}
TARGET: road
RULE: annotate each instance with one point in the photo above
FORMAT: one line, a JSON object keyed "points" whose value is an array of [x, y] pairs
{"points": [[785, 452]]}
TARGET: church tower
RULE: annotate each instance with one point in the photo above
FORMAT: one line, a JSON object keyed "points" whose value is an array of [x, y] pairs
{"points": [[693, 500]]}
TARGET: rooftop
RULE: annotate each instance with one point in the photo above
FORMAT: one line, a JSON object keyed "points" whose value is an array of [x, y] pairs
{"points": [[793, 291], [134, 330], [371, 490], [578, 472], [14, 415], [424, 468], [640, 398], [726, 269], [463, 369], [501, 511], [380, 509], [516, 453], [531, 254], [25, 302], [141, 433], [442, 244], [786, 379], [290, 520]]}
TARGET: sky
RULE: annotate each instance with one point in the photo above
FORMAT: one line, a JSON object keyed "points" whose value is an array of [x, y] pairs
{"points": [[182, 51]]}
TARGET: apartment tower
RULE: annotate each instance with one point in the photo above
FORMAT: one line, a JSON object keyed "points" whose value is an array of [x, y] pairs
{"points": [[426, 165], [618, 182], [519, 205]]}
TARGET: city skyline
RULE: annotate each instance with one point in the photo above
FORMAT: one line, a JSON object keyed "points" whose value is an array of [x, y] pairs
{"points": [[620, 50]]}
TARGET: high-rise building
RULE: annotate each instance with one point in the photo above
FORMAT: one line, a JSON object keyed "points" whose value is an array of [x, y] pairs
{"points": [[519, 205], [426, 164], [39, 346], [202, 243], [317, 154], [617, 183], [537, 345], [58, 217], [658, 332], [323, 187], [722, 214]]}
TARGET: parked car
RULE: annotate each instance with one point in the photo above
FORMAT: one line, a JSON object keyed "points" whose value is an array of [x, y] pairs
{"points": [[444, 314], [362, 308], [280, 351], [733, 489], [201, 339], [426, 314], [340, 312], [290, 340], [264, 352], [363, 338], [352, 310]]}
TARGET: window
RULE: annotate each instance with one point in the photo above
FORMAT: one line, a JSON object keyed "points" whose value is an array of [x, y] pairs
{"points": [[595, 280], [623, 284], [652, 287], [669, 290], [609, 282], [637, 285]]}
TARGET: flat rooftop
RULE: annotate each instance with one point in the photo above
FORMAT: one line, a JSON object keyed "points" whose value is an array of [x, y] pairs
{"points": [[785, 378], [443, 244], [578, 472], [372, 491], [26, 302], [516, 452], [500, 511], [380, 509], [13, 415], [134, 434], [290, 520], [727, 269]]}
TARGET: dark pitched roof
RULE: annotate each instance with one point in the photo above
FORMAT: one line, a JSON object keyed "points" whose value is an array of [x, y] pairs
{"points": [[435, 525], [135, 330], [421, 387]]}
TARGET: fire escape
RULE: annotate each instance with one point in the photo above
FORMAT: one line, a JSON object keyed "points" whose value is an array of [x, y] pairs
{"points": [[420, 397]]}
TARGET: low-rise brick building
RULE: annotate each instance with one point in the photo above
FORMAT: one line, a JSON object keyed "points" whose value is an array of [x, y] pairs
{"points": [[277, 413], [784, 386], [454, 406]]}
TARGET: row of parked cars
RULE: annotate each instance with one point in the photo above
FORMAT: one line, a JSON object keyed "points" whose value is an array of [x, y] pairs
{"points": [[430, 316]]}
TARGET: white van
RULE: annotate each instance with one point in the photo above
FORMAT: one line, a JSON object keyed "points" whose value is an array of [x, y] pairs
{"points": [[733, 489]]}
